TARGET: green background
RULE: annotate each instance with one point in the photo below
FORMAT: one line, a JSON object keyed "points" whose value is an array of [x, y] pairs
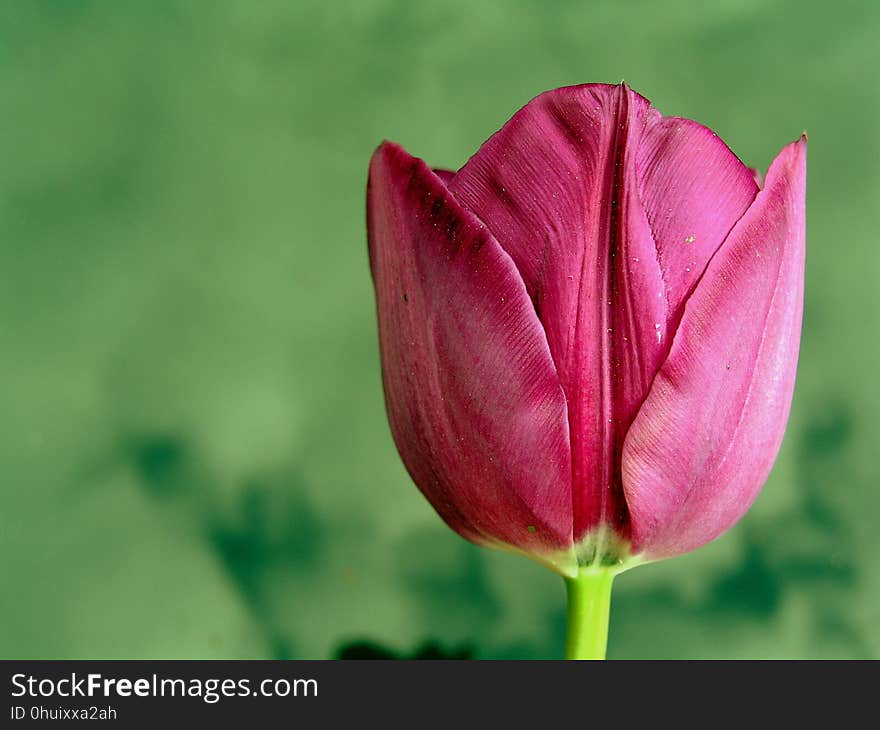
{"points": [[194, 457]]}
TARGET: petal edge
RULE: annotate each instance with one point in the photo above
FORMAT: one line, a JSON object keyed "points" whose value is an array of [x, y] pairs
{"points": [[722, 397], [472, 394]]}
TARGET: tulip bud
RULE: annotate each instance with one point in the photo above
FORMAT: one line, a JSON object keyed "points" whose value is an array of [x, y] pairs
{"points": [[589, 333]]}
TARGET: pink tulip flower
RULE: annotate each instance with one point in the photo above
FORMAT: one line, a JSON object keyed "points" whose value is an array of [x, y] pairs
{"points": [[589, 333]]}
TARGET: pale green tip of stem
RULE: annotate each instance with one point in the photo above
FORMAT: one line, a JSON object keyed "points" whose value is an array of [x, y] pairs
{"points": [[589, 604]]}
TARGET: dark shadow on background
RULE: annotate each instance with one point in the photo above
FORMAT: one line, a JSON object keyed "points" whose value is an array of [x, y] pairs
{"points": [[428, 650], [269, 525], [272, 526]]}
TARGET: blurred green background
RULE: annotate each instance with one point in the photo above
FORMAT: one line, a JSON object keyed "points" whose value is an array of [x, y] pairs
{"points": [[194, 457]]}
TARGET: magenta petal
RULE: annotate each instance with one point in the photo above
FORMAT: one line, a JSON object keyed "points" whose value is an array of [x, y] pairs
{"points": [[472, 394], [610, 212], [444, 174], [553, 187], [705, 439], [694, 190]]}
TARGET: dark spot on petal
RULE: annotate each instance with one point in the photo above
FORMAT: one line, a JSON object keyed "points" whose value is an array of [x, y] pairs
{"points": [[436, 207], [501, 192]]}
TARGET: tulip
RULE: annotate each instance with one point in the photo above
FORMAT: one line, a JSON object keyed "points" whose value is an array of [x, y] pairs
{"points": [[589, 333]]}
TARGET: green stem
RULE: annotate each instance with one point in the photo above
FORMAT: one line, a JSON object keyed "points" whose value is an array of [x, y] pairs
{"points": [[589, 603]]}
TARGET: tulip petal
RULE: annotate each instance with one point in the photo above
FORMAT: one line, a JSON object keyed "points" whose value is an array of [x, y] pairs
{"points": [[548, 185], [694, 190], [706, 437], [444, 174], [610, 212], [473, 397]]}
